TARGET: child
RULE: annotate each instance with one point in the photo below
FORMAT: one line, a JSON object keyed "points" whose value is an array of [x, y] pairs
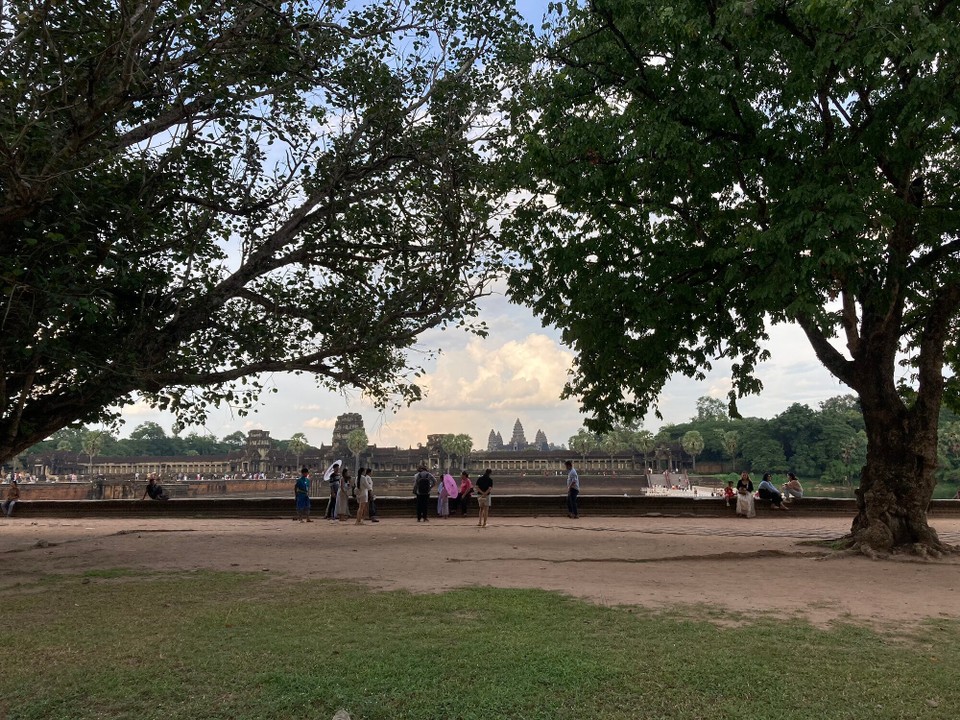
{"points": [[729, 492], [302, 492]]}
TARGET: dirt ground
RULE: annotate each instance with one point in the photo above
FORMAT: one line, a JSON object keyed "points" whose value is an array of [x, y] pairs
{"points": [[763, 565]]}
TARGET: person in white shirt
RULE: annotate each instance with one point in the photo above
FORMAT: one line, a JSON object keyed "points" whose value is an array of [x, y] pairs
{"points": [[573, 490]]}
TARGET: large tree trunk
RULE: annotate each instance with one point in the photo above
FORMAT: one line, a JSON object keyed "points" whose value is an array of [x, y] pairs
{"points": [[897, 482]]}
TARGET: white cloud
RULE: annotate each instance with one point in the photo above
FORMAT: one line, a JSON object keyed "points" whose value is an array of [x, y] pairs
{"points": [[517, 372], [520, 374]]}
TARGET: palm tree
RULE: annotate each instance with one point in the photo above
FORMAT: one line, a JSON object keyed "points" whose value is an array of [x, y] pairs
{"points": [[297, 444], [644, 442], [92, 443], [612, 443], [692, 444], [463, 445], [448, 443], [583, 442], [730, 440], [356, 443]]}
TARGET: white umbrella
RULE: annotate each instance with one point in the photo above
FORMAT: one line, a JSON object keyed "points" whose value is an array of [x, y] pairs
{"points": [[333, 466]]}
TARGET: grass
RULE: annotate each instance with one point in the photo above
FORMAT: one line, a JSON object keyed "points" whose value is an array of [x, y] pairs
{"points": [[207, 645]]}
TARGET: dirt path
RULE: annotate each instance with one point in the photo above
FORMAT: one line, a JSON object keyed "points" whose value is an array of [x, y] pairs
{"points": [[658, 563]]}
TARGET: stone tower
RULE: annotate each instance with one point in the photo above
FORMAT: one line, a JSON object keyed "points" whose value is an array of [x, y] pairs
{"points": [[346, 424], [494, 442], [540, 442], [519, 440]]}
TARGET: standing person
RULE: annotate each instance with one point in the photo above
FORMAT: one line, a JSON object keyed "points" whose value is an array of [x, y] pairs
{"points": [[573, 490], [484, 490], [422, 482], [371, 499], [343, 496], [332, 476], [301, 491], [443, 498], [13, 497], [792, 487], [745, 506], [466, 490], [767, 491], [364, 486]]}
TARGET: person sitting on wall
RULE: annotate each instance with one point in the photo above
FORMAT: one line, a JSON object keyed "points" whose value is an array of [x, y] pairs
{"points": [[155, 490], [792, 487], [767, 491], [729, 493], [13, 497]]}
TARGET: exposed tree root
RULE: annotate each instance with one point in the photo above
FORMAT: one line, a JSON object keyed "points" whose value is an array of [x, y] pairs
{"points": [[852, 545]]}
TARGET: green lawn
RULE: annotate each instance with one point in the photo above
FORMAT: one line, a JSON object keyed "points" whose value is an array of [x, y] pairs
{"points": [[205, 645]]}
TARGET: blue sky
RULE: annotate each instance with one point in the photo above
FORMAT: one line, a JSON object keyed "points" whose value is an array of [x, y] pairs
{"points": [[517, 372]]}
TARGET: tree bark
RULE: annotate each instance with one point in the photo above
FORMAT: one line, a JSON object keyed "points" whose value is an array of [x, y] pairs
{"points": [[897, 482]]}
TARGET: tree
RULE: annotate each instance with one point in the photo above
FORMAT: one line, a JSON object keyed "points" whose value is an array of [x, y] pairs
{"points": [[730, 440], [357, 442], [709, 408], [462, 447], [234, 440], [613, 442], [583, 442], [664, 447], [190, 193], [92, 442], [644, 442], [149, 438], [448, 443], [298, 443], [715, 167], [692, 444]]}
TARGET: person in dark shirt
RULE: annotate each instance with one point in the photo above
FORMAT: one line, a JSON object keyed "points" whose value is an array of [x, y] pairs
{"points": [[423, 481], [484, 489], [155, 490]]}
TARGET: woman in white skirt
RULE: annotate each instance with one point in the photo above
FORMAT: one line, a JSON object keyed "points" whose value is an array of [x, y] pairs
{"points": [[364, 487], [745, 506]]}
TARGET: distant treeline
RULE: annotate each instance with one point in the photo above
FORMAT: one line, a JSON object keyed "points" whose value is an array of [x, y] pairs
{"points": [[827, 444]]}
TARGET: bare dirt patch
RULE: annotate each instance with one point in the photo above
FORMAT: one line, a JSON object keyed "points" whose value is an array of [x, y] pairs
{"points": [[686, 565]]}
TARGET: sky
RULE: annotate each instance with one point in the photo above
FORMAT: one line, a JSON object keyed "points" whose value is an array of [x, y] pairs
{"points": [[517, 372]]}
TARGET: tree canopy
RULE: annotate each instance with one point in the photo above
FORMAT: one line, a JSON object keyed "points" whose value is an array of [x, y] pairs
{"points": [[195, 194], [698, 170]]}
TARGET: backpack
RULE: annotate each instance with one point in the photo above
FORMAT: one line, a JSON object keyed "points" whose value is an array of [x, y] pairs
{"points": [[423, 483]]}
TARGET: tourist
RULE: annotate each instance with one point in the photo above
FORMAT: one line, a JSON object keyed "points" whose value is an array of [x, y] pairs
{"points": [[729, 493], [13, 497], [443, 497], [364, 486], [155, 490], [343, 496], [466, 490], [792, 487], [484, 490], [573, 490], [301, 491], [332, 476], [745, 506], [767, 491], [423, 481], [371, 500]]}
